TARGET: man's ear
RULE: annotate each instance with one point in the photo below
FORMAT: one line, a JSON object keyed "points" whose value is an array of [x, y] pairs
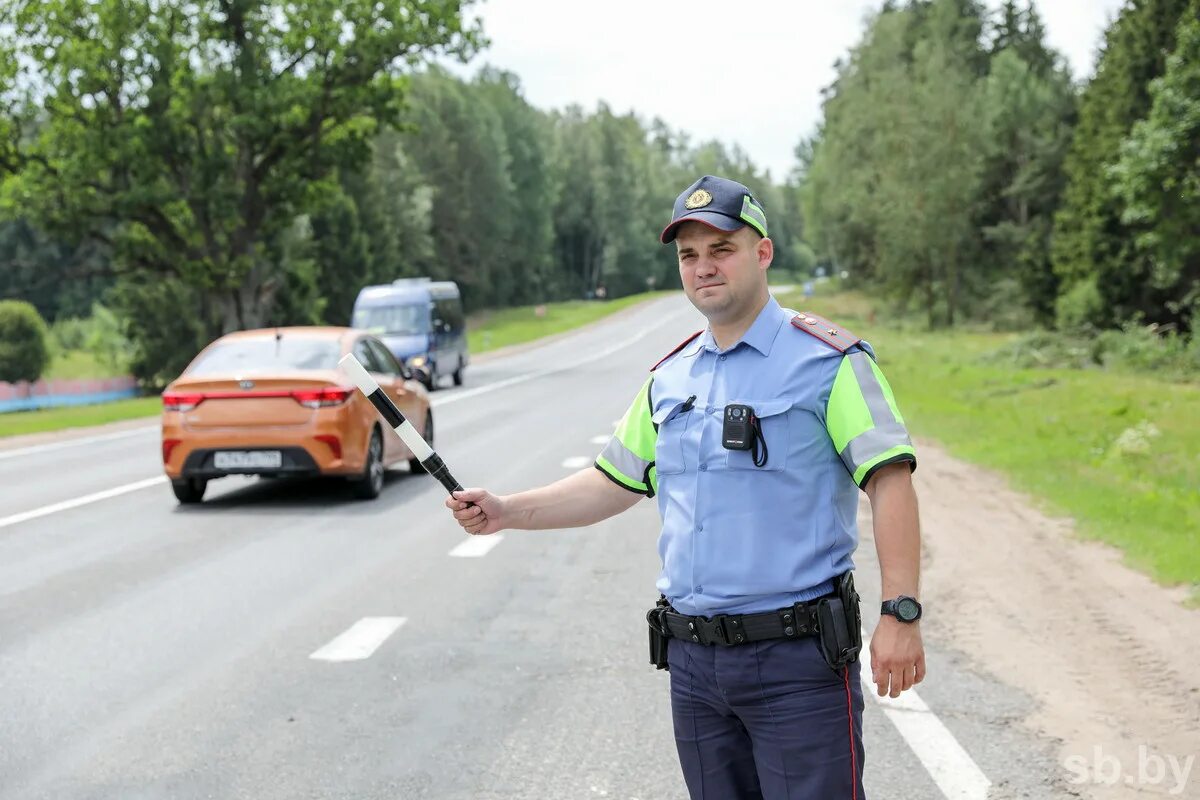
{"points": [[766, 252]]}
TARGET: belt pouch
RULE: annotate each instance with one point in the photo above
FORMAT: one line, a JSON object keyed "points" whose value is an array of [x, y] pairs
{"points": [[840, 639], [658, 640]]}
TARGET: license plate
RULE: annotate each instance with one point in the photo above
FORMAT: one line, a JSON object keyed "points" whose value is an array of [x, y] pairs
{"points": [[248, 459]]}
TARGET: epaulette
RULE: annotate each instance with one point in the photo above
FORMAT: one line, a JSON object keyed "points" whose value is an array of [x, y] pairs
{"points": [[837, 338], [682, 345]]}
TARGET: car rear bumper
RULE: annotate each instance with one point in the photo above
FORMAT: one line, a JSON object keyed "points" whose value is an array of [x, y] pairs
{"points": [[192, 454], [297, 461]]}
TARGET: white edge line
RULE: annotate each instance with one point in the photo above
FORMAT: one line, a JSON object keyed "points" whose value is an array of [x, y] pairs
{"points": [[45, 448], [360, 640], [66, 505], [950, 766]]}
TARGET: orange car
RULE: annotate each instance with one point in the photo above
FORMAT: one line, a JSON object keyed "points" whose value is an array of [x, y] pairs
{"points": [[273, 402]]}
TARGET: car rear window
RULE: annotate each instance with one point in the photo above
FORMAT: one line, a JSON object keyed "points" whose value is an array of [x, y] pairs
{"points": [[285, 353]]}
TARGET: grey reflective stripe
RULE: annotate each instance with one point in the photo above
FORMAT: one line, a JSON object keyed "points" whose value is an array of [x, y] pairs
{"points": [[872, 392], [754, 215], [624, 460], [870, 444]]}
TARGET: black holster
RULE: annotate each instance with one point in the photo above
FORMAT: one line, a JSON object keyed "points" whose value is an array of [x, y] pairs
{"points": [[839, 622], [658, 634]]}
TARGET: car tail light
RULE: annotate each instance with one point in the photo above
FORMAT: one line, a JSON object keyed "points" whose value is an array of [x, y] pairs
{"points": [[335, 444], [319, 398], [179, 401], [168, 446]]}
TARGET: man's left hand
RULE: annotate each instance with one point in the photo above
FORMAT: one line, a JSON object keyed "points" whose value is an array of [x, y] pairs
{"points": [[897, 656]]}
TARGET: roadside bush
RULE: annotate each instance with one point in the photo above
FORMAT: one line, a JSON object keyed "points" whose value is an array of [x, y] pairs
{"points": [[1138, 348], [99, 335], [1081, 307], [24, 352]]}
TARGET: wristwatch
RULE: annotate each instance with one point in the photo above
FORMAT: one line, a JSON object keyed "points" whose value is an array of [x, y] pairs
{"points": [[903, 608]]}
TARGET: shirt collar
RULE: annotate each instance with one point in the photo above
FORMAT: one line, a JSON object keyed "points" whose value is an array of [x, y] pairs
{"points": [[760, 335]]}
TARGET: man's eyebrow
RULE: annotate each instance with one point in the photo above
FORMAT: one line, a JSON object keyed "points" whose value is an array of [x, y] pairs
{"points": [[717, 243]]}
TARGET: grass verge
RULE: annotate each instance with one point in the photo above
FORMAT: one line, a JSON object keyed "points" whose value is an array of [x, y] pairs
{"points": [[53, 419], [1115, 451]]}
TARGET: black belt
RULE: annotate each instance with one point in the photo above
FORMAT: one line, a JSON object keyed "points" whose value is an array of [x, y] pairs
{"points": [[794, 622]]}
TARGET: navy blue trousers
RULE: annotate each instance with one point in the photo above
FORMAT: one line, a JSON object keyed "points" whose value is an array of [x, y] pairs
{"points": [[766, 721]]}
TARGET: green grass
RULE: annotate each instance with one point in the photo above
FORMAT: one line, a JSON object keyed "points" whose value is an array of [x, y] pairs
{"points": [[1114, 450], [53, 419], [78, 365], [490, 330]]}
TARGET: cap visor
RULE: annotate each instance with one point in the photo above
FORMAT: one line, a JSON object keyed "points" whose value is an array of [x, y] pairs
{"points": [[713, 219]]}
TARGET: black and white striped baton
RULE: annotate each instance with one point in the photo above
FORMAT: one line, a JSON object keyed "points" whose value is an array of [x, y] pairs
{"points": [[430, 460]]}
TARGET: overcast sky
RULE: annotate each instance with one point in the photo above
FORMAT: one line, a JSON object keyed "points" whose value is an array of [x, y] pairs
{"points": [[749, 72]]}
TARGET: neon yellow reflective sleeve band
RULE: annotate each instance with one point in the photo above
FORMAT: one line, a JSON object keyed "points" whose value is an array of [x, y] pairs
{"points": [[863, 419], [628, 458]]}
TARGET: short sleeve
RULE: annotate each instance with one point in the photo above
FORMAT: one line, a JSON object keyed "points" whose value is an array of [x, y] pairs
{"points": [[863, 420], [628, 458]]}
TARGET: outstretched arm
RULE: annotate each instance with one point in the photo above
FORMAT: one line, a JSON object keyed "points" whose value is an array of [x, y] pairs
{"points": [[577, 500]]}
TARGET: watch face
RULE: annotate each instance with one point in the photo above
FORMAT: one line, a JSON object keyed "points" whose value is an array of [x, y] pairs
{"points": [[908, 609]]}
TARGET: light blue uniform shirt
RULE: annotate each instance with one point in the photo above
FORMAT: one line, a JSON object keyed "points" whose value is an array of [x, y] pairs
{"points": [[737, 538]]}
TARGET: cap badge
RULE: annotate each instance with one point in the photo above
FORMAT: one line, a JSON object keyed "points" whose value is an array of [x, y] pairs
{"points": [[697, 199]]}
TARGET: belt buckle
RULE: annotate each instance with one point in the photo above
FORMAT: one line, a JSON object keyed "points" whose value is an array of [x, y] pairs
{"points": [[725, 629], [713, 630]]}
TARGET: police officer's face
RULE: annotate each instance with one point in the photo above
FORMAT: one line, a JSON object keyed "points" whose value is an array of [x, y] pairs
{"points": [[723, 274]]}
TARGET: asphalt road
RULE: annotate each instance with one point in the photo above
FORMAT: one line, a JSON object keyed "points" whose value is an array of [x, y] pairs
{"points": [[153, 651]]}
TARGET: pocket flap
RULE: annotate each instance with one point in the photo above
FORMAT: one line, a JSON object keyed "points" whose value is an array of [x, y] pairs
{"points": [[767, 408], [667, 412]]}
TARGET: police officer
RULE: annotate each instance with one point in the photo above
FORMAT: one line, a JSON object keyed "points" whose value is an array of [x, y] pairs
{"points": [[755, 436]]}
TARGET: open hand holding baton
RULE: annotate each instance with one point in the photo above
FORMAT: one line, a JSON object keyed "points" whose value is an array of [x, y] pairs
{"points": [[430, 460]]}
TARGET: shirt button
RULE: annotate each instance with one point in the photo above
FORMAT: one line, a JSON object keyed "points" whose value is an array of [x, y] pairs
{"points": [[709, 409], [722, 358], [700, 528], [699, 590], [704, 467]]}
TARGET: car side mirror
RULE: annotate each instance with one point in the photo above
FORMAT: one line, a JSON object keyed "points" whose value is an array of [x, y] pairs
{"points": [[421, 374]]}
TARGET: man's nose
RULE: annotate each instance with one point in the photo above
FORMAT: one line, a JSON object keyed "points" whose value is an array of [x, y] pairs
{"points": [[705, 267]]}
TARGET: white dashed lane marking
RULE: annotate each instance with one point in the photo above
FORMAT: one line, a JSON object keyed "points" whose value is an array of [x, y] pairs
{"points": [[603, 439], [577, 462], [360, 640], [476, 546], [950, 766]]}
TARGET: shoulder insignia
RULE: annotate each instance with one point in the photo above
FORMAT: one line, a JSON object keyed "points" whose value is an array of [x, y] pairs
{"points": [[681, 345], [837, 338]]}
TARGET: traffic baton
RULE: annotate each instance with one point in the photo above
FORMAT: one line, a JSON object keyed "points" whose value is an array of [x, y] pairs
{"points": [[430, 460]]}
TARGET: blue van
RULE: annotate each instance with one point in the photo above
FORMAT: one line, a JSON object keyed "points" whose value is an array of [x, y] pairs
{"points": [[421, 321]]}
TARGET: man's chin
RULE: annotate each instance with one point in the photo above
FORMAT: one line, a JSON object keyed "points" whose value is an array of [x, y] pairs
{"points": [[709, 303]]}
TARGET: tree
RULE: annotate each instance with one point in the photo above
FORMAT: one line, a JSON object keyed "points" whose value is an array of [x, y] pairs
{"points": [[189, 137], [1094, 251], [1029, 115], [892, 190], [1158, 178], [24, 352]]}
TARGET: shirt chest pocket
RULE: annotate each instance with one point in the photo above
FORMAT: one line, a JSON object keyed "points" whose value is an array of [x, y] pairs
{"points": [[773, 419], [671, 421]]}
